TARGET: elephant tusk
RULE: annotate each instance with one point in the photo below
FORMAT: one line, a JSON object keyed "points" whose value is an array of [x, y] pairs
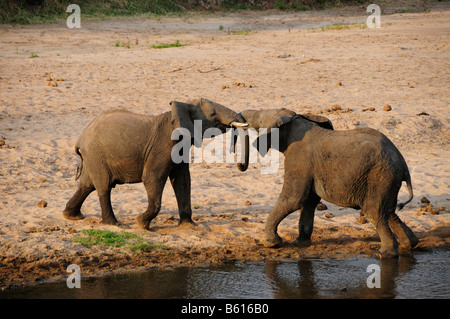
{"points": [[237, 124]]}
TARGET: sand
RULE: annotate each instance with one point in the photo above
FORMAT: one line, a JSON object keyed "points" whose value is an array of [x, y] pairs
{"points": [[288, 60]]}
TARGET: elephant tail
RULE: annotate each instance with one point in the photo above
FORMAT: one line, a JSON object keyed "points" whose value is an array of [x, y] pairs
{"points": [[80, 167], [410, 190]]}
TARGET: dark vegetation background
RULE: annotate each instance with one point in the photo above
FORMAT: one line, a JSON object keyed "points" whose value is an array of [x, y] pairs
{"points": [[41, 11]]}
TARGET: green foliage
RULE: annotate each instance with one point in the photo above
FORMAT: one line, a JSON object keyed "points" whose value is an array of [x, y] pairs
{"points": [[22, 12], [168, 45], [293, 6], [97, 237]]}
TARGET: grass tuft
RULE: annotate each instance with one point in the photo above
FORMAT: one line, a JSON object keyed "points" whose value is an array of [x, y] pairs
{"points": [[97, 237], [168, 45]]}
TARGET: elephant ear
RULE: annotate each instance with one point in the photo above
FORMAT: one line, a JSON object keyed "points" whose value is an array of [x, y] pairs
{"points": [[320, 120], [181, 116]]}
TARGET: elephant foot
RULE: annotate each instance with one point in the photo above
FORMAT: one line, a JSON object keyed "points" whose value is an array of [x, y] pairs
{"points": [[387, 254], [71, 215], [110, 221], [302, 242], [144, 224], [186, 222], [273, 243]]}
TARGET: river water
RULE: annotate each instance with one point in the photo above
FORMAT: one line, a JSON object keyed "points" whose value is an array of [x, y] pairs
{"points": [[425, 275]]}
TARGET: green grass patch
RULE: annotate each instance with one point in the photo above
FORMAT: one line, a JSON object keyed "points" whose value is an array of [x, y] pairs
{"points": [[168, 45], [345, 26], [97, 237]]}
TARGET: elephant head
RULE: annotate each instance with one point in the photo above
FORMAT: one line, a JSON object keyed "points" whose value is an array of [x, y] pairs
{"points": [[270, 119], [211, 115]]}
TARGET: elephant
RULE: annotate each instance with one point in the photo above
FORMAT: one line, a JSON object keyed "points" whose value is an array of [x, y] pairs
{"points": [[120, 147], [359, 168]]}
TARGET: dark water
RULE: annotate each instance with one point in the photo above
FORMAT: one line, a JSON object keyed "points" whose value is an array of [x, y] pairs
{"points": [[426, 275]]}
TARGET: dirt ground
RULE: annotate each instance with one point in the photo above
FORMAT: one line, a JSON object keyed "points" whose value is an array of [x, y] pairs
{"points": [[285, 59]]}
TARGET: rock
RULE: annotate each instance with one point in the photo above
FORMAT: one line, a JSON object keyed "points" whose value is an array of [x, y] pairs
{"points": [[441, 209], [321, 206], [336, 107], [368, 109], [328, 215], [387, 108], [339, 84], [248, 203], [424, 200], [42, 204]]}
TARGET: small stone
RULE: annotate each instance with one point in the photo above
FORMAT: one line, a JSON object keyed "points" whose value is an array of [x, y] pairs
{"points": [[321, 206], [441, 208], [42, 204], [245, 219], [424, 200], [336, 107], [387, 108], [248, 203], [339, 84], [328, 215]]}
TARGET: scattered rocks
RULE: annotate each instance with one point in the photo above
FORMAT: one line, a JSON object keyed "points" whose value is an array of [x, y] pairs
{"points": [[427, 209], [387, 108], [334, 109], [321, 206], [42, 204], [51, 82], [225, 87]]}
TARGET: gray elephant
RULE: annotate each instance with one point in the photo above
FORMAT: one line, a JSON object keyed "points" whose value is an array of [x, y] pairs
{"points": [[120, 147], [359, 168]]}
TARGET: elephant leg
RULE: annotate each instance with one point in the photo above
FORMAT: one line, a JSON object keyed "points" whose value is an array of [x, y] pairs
{"points": [[181, 182], [389, 245], [405, 235], [104, 195], [292, 197], [73, 207], [154, 185], [306, 221]]}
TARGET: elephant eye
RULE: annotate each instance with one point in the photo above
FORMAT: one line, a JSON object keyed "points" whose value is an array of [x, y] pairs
{"points": [[213, 114]]}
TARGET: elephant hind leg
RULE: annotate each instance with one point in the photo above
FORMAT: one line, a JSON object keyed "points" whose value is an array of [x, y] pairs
{"points": [[73, 206], [405, 235], [306, 221], [379, 218]]}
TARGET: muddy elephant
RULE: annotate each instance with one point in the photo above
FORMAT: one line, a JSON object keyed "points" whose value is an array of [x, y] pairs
{"points": [[120, 147], [359, 168]]}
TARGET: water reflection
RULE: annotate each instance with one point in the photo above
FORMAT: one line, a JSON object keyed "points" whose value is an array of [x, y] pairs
{"points": [[425, 275]]}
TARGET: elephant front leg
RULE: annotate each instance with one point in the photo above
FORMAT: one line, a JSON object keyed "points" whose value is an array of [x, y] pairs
{"points": [[180, 179], [154, 187], [294, 194], [306, 221]]}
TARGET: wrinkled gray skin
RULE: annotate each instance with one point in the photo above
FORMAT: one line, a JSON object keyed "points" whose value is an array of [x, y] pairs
{"points": [[358, 168], [121, 147]]}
